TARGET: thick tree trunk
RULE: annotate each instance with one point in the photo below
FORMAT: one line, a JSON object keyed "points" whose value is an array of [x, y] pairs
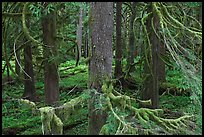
{"points": [[150, 85], [161, 64], [29, 83], [118, 49], [131, 45], [51, 80], [100, 65], [155, 62]]}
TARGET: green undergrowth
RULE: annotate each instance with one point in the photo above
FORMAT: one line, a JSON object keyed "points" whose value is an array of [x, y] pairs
{"points": [[79, 80], [19, 120], [176, 79], [182, 105]]}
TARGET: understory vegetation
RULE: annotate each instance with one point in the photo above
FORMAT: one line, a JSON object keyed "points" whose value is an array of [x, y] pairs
{"points": [[19, 119], [101, 68]]}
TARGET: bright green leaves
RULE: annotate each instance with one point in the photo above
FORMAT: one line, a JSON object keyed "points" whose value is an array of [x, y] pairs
{"points": [[38, 8]]}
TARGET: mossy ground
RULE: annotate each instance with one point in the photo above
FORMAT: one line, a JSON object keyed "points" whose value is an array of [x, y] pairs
{"points": [[19, 120]]}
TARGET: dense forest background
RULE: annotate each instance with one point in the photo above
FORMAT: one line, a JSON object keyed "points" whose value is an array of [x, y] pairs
{"points": [[101, 68]]}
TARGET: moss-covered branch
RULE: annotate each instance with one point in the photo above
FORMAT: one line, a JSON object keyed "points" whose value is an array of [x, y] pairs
{"points": [[141, 118], [7, 14], [52, 117], [25, 29]]}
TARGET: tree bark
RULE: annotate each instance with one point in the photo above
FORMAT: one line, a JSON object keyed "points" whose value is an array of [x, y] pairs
{"points": [[161, 64], [86, 45], [29, 83], [155, 62], [118, 48], [51, 80], [150, 86], [131, 45], [100, 65], [79, 33]]}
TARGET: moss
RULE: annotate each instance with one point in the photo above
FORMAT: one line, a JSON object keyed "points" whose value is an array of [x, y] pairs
{"points": [[47, 114]]}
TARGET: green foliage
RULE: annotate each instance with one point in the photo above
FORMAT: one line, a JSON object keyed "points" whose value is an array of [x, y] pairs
{"points": [[174, 102], [78, 79], [38, 8], [192, 4], [183, 104], [16, 117], [35, 9], [175, 78], [19, 117], [110, 127]]}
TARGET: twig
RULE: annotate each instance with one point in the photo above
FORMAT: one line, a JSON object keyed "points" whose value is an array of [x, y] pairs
{"points": [[71, 90]]}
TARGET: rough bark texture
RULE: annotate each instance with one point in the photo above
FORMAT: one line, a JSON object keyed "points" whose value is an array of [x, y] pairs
{"points": [[29, 84], [150, 86], [161, 64], [100, 65], [130, 58], [147, 86], [51, 80], [155, 62], [118, 49]]}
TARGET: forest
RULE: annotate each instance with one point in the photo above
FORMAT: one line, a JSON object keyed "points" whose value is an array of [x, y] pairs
{"points": [[101, 68]]}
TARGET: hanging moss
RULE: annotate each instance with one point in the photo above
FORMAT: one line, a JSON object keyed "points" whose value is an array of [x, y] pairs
{"points": [[47, 114], [51, 117], [57, 125], [25, 29]]}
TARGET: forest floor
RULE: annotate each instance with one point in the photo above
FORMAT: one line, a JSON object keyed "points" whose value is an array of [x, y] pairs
{"points": [[18, 120]]}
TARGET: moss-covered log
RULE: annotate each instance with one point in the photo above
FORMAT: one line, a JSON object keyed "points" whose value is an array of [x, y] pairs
{"points": [[52, 117]]}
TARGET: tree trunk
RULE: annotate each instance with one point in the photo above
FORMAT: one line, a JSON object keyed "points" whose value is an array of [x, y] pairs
{"points": [[130, 58], [118, 48], [79, 33], [29, 84], [86, 45], [100, 65], [150, 85], [161, 64], [155, 64], [51, 80]]}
